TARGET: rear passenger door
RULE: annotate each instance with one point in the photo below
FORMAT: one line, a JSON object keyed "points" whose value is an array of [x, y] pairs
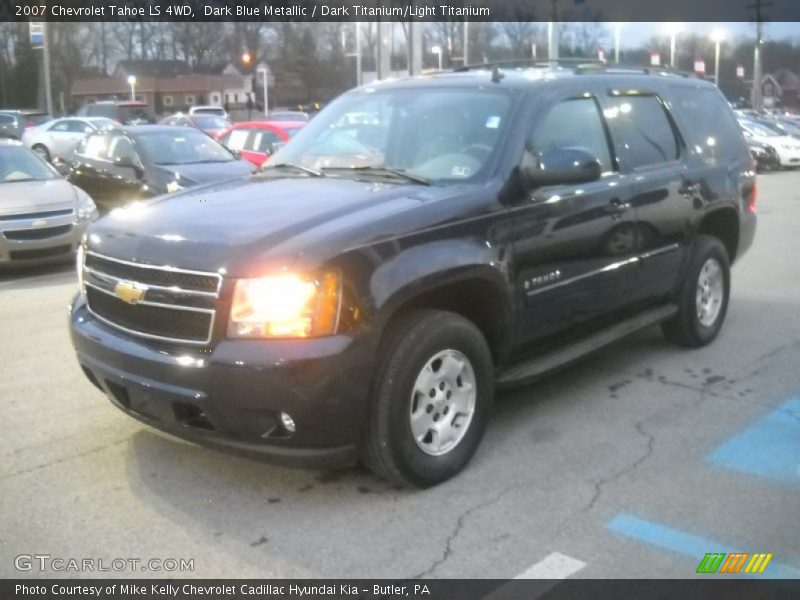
{"points": [[651, 152], [573, 249]]}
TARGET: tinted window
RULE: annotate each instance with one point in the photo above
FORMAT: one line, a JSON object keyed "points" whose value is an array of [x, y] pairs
{"points": [[712, 127], [121, 148], [6, 120], [62, 126], [574, 123], [262, 141], [641, 131], [94, 147], [188, 146], [236, 139], [102, 110], [136, 114]]}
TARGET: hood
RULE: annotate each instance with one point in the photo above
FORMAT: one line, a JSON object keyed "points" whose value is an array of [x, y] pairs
{"points": [[36, 196], [238, 225], [207, 172]]}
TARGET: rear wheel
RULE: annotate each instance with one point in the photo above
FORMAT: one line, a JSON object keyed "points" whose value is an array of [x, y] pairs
{"points": [[431, 400], [703, 298], [42, 151]]}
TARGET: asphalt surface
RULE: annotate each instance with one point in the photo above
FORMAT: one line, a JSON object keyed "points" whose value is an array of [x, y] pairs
{"points": [[631, 464]]}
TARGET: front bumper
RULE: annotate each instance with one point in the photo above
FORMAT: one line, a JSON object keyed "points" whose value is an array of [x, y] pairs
{"points": [[230, 396], [33, 242], [789, 158]]}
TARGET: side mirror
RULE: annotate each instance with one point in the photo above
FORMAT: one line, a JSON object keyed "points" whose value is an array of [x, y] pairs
{"points": [[562, 166]]}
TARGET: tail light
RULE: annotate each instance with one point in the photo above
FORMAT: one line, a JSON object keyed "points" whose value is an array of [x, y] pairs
{"points": [[29, 124], [752, 196]]}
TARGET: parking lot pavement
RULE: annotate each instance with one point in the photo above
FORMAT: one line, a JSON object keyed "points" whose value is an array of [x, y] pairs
{"points": [[632, 464]]}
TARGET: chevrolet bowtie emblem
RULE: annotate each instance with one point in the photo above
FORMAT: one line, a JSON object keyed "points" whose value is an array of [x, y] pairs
{"points": [[130, 292], [39, 224]]}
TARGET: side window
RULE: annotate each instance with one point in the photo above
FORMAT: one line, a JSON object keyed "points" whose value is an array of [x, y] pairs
{"points": [[61, 127], [78, 127], [574, 123], [6, 120], [94, 147], [641, 131], [236, 139], [263, 140], [120, 148], [714, 132]]}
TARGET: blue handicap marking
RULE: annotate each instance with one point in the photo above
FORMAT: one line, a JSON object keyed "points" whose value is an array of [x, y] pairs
{"points": [[770, 448], [689, 545]]}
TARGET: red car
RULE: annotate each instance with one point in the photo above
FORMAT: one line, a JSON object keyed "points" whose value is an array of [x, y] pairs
{"points": [[257, 140]]}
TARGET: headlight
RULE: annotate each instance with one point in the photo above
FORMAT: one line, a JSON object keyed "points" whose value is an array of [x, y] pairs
{"points": [[79, 267], [174, 186], [286, 305], [87, 209]]}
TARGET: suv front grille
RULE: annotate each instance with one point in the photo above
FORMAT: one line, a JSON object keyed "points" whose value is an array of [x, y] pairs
{"points": [[163, 303]]}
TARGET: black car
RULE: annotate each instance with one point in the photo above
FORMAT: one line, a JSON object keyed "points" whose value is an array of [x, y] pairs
{"points": [[130, 112], [766, 156], [13, 123], [363, 295], [134, 163]]}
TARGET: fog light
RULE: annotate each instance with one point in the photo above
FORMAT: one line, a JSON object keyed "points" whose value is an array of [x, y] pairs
{"points": [[287, 422]]}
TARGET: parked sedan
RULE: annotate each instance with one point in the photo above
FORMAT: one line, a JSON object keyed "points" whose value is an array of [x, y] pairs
{"points": [[56, 139], [132, 163], [14, 122], [42, 216], [256, 141], [765, 155], [788, 148], [212, 125]]}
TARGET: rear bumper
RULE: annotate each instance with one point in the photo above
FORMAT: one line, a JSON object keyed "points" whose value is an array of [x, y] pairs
{"points": [[231, 396], [747, 232]]}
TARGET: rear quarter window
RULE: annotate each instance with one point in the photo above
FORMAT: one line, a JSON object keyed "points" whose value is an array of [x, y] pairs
{"points": [[641, 131], [712, 130]]}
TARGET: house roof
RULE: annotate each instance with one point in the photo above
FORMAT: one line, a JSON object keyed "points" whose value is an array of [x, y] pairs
{"points": [[181, 84]]}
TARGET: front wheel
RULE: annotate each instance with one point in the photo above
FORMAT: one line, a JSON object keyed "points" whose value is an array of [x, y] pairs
{"points": [[431, 401], [703, 298]]}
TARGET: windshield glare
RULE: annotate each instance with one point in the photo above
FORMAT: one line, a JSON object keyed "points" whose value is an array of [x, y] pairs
{"points": [[181, 148], [443, 135], [20, 164]]}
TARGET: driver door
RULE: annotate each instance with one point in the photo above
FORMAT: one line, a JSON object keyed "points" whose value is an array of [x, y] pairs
{"points": [[575, 244]]}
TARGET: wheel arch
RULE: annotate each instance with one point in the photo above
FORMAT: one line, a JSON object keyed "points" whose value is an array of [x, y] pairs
{"points": [[722, 223]]}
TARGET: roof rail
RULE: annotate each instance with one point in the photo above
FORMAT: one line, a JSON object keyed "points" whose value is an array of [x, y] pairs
{"points": [[577, 66]]}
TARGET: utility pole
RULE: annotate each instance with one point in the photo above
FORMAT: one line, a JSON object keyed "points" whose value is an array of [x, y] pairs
{"points": [[466, 43], [552, 35], [758, 100]]}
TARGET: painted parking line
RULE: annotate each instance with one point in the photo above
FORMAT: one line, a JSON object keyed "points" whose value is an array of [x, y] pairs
{"points": [[770, 448], [553, 566], [689, 545]]}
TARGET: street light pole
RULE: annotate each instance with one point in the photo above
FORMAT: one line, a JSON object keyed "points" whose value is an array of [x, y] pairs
{"points": [[132, 83], [265, 74], [674, 29], [717, 36], [48, 88], [617, 40]]}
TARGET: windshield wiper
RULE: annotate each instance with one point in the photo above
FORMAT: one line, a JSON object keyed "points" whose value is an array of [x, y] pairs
{"points": [[384, 172], [294, 167]]}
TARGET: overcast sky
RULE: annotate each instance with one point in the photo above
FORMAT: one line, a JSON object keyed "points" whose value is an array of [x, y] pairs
{"points": [[635, 34]]}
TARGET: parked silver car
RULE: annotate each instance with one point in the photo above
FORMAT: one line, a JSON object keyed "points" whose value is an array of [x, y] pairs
{"points": [[42, 216], [57, 138]]}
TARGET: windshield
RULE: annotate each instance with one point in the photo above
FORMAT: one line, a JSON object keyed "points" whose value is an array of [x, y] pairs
{"points": [[210, 122], [17, 163], [441, 135], [760, 130], [183, 147]]}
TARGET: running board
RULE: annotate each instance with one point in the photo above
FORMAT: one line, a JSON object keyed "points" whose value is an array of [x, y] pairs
{"points": [[540, 365]]}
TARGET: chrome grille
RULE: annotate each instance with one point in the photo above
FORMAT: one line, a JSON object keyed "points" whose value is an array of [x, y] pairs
{"points": [[37, 234], [157, 302]]}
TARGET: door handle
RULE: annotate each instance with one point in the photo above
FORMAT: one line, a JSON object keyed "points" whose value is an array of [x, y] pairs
{"points": [[617, 207]]}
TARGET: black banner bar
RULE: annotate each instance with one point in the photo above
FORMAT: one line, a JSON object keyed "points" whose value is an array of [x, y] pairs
{"points": [[373, 589], [398, 10]]}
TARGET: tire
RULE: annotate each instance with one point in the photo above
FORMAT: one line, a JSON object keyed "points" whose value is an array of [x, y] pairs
{"points": [[42, 151], [417, 455], [707, 277]]}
